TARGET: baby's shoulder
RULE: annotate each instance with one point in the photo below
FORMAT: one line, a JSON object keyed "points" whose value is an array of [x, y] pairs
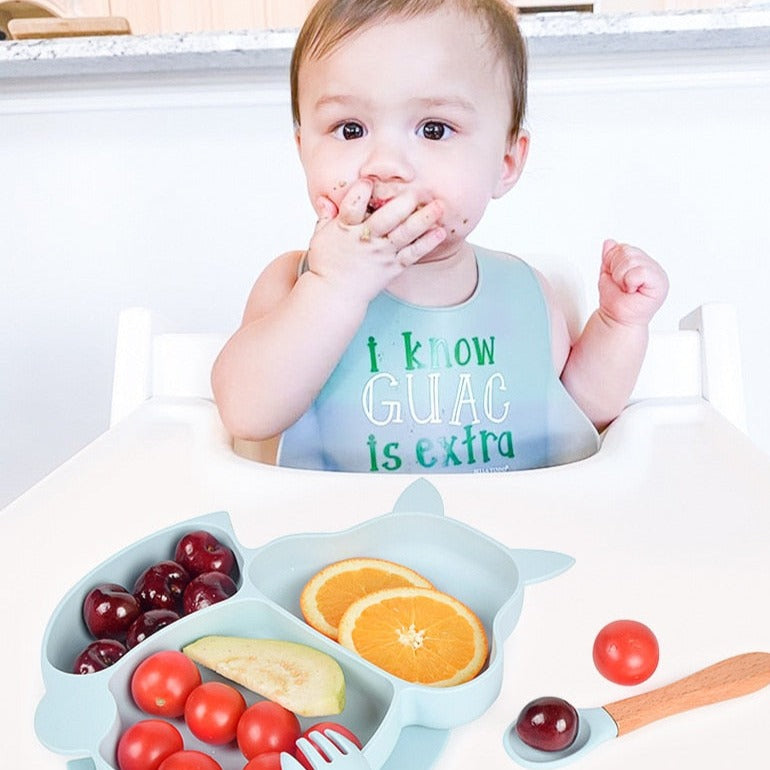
{"points": [[274, 283], [282, 273], [287, 266]]}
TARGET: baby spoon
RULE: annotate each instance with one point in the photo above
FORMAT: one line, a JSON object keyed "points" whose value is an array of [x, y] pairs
{"points": [[739, 675]]}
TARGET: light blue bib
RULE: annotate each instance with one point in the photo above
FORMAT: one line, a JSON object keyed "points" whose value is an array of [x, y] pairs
{"points": [[467, 388]]}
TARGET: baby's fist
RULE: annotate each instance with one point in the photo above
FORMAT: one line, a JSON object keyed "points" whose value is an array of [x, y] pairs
{"points": [[632, 285]]}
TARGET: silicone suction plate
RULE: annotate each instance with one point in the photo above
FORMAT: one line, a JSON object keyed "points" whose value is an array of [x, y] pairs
{"points": [[402, 725]]}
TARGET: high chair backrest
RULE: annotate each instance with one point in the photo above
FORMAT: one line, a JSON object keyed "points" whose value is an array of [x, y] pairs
{"points": [[702, 359], [152, 362]]}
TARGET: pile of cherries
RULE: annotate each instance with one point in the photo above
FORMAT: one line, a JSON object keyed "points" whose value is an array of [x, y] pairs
{"points": [[200, 574]]}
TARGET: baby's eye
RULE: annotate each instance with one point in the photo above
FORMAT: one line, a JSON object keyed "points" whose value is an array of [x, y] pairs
{"points": [[435, 130], [349, 130]]}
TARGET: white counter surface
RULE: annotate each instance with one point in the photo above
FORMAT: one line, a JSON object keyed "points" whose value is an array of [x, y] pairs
{"points": [[668, 524], [547, 34]]}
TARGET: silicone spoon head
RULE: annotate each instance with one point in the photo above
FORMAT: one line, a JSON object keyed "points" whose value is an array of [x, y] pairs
{"points": [[595, 726]]}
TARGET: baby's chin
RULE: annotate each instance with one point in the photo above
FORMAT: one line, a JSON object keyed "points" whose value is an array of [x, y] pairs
{"points": [[448, 249]]}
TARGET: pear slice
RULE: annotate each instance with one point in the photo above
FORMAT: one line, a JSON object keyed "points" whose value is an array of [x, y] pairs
{"points": [[302, 679]]}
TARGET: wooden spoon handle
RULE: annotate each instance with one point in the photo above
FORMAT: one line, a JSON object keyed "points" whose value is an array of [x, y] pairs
{"points": [[727, 679]]}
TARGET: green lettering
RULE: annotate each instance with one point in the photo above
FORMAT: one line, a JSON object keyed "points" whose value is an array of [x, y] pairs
{"points": [[439, 345], [486, 435], [468, 443], [505, 444], [484, 350], [371, 343], [462, 351], [410, 352], [447, 444], [393, 463], [371, 442], [423, 446]]}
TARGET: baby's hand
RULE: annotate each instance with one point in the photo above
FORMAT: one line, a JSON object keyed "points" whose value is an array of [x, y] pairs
{"points": [[632, 285], [363, 253]]}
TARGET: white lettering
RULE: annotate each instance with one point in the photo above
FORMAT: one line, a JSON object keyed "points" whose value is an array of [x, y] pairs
{"points": [[464, 397], [488, 406], [367, 401], [382, 411], [434, 416]]}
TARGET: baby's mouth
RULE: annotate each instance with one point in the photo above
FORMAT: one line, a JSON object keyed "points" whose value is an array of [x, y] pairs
{"points": [[374, 204]]}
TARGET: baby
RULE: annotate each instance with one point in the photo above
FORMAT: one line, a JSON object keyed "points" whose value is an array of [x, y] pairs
{"points": [[391, 343]]}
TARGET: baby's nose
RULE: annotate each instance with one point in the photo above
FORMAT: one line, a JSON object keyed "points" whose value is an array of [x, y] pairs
{"points": [[387, 159]]}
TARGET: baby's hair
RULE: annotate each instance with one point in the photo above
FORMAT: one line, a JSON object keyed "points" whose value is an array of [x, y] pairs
{"points": [[330, 22]]}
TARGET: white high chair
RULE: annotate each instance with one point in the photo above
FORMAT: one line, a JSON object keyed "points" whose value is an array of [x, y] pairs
{"points": [[700, 359]]}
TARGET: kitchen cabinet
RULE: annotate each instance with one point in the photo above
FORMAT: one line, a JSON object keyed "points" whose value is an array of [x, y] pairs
{"points": [[173, 16], [169, 16], [165, 16], [626, 6]]}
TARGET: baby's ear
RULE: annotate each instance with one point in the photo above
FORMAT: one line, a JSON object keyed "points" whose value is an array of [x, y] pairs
{"points": [[513, 163], [297, 138]]}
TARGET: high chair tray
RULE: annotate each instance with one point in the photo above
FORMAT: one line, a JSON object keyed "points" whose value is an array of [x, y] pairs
{"points": [[403, 726]]}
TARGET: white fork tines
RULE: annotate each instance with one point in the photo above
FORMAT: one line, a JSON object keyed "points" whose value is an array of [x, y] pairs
{"points": [[329, 751]]}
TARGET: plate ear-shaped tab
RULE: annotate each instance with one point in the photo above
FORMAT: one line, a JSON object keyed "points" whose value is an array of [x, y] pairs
{"points": [[72, 712], [535, 566], [85, 763], [420, 497]]}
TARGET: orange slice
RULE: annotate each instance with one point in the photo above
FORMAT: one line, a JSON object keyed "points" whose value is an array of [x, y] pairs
{"points": [[332, 590], [417, 634]]}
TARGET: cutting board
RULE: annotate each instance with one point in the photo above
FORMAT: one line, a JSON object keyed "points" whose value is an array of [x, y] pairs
{"points": [[25, 29]]}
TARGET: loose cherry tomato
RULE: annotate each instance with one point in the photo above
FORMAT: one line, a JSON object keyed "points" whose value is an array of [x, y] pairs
{"points": [[267, 726], [322, 727], [144, 745], [190, 760], [626, 652], [161, 683], [212, 712], [269, 760]]}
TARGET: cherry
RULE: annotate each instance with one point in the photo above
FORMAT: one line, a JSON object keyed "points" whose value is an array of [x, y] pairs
{"points": [[200, 552], [207, 589], [548, 724], [160, 587], [108, 610], [147, 624], [98, 655]]}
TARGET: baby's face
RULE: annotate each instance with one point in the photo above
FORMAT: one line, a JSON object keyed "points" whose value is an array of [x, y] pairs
{"points": [[419, 104]]}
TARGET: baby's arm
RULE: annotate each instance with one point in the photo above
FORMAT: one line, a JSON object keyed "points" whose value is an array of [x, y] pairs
{"points": [[604, 362], [295, 329]]}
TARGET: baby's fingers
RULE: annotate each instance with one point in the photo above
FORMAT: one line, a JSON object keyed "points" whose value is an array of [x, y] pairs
{"points": [[629, 267], [634, 279], [415, 225], [416, 250], [325, 210], [352, 208]]}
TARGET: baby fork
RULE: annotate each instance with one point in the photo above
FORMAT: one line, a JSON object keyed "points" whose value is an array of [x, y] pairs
{"points": [[336, 753]]}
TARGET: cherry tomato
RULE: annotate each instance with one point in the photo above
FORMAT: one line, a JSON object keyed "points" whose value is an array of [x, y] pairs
{"points": [[267, 726], [321, 727], [144, 745], [190, 760], [270, 760], [212, 712], [626, 652], [161, 683]]}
